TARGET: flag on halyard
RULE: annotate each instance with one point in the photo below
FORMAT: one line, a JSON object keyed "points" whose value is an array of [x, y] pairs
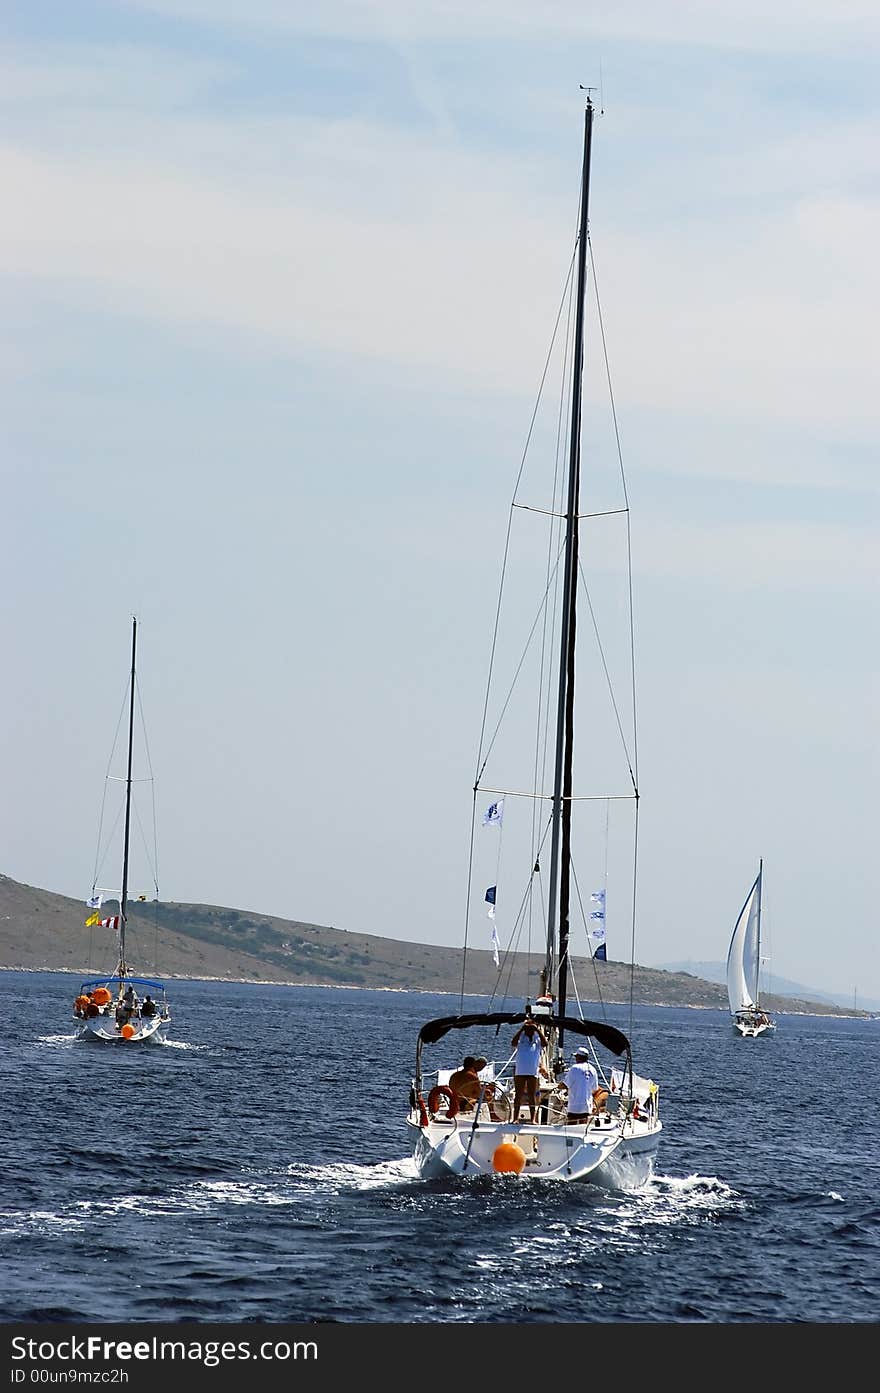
{"points": [[598, 897], [93, 919], [94, 901], [495, 942], [493, 814], [597, 932], [112, 923], [490, 900]]}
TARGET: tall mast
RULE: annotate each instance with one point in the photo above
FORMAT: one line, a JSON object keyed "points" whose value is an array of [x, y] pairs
{"points": [[556, 960], [758, 972], [123, 901]]}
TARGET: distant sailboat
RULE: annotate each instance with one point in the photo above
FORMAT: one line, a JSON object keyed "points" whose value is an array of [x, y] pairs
{"points": [[743, 967], [119, 1008]]}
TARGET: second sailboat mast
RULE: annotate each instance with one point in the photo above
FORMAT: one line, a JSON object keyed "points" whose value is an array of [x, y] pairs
{"points": [[123, 900]]}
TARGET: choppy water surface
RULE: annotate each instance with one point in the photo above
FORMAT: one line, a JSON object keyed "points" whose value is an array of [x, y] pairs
{"points": [[255, 1168]]}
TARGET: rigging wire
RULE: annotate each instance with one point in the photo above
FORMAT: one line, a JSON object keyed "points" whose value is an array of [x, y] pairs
{"points": [[101, 855], [635, 759], [154, 863], [480, 762], [592, 955], [565, 292], [104, 794], [545, 609], [555, 541], [608, 681], [629, 568], [542, 607], [507, 962]]}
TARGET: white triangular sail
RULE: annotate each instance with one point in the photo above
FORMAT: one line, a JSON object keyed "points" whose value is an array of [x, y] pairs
{"points": [[742, 955]]}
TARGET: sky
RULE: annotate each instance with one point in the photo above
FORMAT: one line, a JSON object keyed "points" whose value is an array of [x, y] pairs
{"points": [[278, 283]]}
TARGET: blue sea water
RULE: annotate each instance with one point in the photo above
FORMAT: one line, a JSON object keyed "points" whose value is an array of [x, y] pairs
{"points": [[255, 1169]]}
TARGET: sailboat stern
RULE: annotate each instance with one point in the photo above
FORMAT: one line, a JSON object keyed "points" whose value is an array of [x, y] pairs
{"points": [[105, 1030], [615, 1153], [750, 1025], [613, 1146], [120, 1010]]}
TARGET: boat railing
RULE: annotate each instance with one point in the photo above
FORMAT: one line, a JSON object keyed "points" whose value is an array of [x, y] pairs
{"points": [[501, 1071]]}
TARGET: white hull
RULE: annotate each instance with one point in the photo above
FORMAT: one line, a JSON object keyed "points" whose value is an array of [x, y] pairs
{"points": [[611, 1154], [104, 1029], [751, 1032]]}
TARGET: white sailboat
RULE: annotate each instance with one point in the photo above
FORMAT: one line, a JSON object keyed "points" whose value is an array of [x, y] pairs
{"points": [[744, 967], [613, 1142], [120, 1008]]}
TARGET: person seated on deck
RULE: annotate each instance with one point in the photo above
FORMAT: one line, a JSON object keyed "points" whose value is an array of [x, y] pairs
{"points": [[465, 1083], [148, 1006], [582, 1083]]}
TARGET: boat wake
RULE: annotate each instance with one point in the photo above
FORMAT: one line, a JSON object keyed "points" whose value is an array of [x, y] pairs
{"points": [[62, 1041], [348, 1176], [199, 1197], [209, 1197], [669, 1200]]}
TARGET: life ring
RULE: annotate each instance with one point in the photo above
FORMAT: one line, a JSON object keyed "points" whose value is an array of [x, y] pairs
{"points": [[436, 1097]]}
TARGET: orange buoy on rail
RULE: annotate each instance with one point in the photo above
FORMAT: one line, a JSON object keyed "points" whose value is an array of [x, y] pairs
{"points": [[101, 996], [127, 1031], [508, 1158]]}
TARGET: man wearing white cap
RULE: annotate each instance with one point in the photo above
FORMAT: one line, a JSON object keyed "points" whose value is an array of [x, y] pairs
{"points": [[580, 1080]]}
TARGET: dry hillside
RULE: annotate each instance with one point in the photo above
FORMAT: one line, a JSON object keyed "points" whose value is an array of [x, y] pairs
{"points": [[40, 930]]}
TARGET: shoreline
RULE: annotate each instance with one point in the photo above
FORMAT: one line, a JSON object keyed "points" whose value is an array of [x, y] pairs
{"points": [[420, 991]]}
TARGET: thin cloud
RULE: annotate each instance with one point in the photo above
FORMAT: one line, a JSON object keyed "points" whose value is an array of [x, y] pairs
{"points": [[462, 278], [788, 26]]}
